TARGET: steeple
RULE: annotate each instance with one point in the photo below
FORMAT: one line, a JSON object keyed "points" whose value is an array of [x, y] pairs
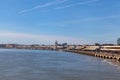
{"points": [[56, 42]]}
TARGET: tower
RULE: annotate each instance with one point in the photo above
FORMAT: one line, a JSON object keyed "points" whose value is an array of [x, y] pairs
{"points": [[118, 41], [56, 43]]}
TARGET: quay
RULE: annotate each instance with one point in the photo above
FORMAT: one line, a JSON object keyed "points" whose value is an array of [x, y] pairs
{"points": [[105, 55]]}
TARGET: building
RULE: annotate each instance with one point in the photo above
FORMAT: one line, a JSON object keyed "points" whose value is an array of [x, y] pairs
{"points": [[107, 45], [118, 41], [56, 43], [60, 46], [97, 44]]}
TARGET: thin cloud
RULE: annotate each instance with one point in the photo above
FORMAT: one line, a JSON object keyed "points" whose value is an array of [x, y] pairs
{"points": [[93, 19], [42, 6], [76, 4], [25, 38], [79, 21], [96, 19], [90, 19]]}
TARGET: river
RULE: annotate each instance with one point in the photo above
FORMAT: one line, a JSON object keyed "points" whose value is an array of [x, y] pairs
{"points": [[52, 65]]}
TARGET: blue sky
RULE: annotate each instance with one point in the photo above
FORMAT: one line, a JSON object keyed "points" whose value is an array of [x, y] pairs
{"points": [[72, 21]]}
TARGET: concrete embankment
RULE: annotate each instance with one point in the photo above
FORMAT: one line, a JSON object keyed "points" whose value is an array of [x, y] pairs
{"points": [[105, 55]]}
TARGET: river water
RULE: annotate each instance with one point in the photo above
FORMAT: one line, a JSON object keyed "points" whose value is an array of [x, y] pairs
{"points": [[52, 65]]}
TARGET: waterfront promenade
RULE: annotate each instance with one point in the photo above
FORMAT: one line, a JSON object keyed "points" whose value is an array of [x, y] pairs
{"points": [[106, 55]]}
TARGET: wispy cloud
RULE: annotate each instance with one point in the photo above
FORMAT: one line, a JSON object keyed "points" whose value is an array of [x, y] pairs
{"points": [[67, 23], [25, 38], [102, 18], [76, 4], [94, 19], [42, 6]]}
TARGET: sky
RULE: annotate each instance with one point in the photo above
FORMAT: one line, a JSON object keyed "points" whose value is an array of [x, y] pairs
{"points": [[71, 21]]}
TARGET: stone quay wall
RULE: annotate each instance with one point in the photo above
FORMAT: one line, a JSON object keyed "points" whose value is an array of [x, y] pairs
{"points": [[105, 55]]}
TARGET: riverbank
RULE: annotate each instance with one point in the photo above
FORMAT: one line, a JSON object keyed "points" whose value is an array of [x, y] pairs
{"points": [[106, 55]]}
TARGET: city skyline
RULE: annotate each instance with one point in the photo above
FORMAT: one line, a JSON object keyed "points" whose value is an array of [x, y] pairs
{"points": [[71, 21]]}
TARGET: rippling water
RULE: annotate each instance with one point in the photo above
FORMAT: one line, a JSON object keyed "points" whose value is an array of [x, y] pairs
{"points": [[52, 65]]}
